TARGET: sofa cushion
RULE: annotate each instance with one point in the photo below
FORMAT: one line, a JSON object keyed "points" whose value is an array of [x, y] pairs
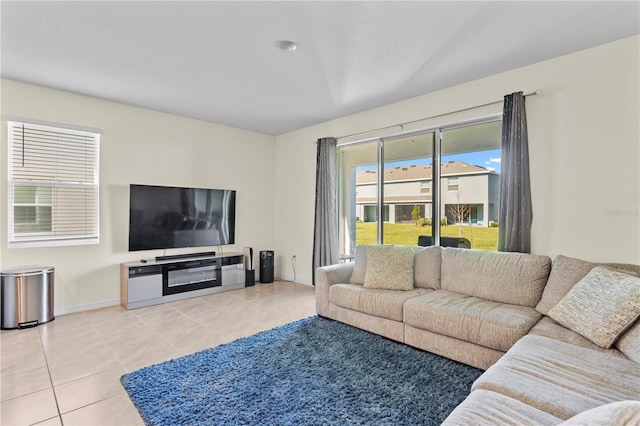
{"points": [[560, 378], [426, 267], [483, 407], [462, 351], [615, 413], [326, 276], [549, 328], [629, 342], [389, 268], [513, 278], [360, 265], [483, 322], [381, 303], [600, 306], [566, 272]]}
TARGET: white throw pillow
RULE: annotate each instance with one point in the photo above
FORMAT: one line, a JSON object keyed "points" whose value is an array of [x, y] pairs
{"points": [[616, 413], [601, 306], [389, 268]]}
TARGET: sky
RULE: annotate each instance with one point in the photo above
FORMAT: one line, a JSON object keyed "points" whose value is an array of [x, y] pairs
{"points": [[489, 159]]}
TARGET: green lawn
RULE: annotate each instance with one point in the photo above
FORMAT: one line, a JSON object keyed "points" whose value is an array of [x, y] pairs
{"points": [[407, 234]]}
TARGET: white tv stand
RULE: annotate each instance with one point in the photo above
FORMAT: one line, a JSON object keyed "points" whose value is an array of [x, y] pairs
{"points": [[160, 281]]}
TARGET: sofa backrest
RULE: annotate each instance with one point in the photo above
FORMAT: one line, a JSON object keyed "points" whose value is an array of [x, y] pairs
{"points": [[629, 342], [513, 278], [426, 266], [566, 272], [360, 265]]}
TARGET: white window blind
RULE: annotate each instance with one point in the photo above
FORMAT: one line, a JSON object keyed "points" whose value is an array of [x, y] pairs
{"points": [[53, 185]]}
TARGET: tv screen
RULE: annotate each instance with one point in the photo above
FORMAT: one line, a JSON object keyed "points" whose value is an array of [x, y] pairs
{"points": [[162, 217]]}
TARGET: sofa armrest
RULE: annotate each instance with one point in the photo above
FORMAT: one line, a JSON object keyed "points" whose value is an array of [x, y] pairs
{"points": [[326, 276]]}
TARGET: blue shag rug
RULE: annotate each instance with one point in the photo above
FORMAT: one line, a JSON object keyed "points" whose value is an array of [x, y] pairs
{"points": [[314, 371]]}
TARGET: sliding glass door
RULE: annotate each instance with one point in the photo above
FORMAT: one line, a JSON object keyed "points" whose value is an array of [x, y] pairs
{"points": [[357, 196], [393, 190], [407, 188], [470, 183]]}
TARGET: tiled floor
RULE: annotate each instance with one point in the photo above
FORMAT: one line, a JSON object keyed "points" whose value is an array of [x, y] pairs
{"points": [[67, 372]]}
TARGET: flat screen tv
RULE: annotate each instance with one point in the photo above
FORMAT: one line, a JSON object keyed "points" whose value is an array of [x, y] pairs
{"points": [[163, 217]]}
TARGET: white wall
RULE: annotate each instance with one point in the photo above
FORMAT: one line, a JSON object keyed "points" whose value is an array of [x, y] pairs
{"points": [[584, 135], [584, 148], [145, 147]]}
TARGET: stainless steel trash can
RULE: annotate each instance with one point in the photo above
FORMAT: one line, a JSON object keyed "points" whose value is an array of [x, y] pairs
{"points": [[26, 296]]}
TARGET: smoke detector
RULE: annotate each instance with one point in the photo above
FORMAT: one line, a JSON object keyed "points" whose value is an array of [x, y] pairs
{"points": [[286, 46]]}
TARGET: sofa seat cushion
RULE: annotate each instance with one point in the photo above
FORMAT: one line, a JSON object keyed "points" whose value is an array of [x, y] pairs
{"points": [[560, 378], [472, 319], [483, 407], [380, 303], [549, 328]]}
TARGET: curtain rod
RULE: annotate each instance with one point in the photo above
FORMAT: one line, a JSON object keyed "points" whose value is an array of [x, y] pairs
{"points": [[401, 125]]}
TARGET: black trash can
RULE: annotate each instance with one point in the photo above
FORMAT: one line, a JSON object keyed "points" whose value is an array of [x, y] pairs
{"points": [[266, 266]]}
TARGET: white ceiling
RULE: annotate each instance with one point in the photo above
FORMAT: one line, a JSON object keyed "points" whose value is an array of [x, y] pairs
{"points": [[217, 61]]}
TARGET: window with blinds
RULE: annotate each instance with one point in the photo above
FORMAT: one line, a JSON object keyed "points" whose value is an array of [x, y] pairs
{"points": [[53, 185]]}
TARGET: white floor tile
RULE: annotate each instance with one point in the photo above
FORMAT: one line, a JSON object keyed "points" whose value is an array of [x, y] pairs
{"points": [[81, 356]]}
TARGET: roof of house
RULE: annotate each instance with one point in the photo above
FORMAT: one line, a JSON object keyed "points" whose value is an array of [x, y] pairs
{"points": [[420, 172]]}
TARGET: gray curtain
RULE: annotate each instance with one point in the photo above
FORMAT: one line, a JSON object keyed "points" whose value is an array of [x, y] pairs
{"points": [[325, 234], [515, 216]]}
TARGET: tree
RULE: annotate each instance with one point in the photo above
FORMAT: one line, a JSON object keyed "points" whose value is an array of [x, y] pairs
{"points": [[459, 212], [415, 214]]}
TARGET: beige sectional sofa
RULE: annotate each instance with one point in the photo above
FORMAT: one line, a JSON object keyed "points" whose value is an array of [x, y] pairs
{"points": [[502, 312]]}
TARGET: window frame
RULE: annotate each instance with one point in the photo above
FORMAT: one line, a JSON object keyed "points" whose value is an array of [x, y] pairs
{"points": [[62, 188], [347, 229], [425, 184], [453, 183], [36, 205]]}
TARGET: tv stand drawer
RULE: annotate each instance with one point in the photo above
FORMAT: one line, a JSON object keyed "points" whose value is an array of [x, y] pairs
{"points": [[144, 287]]}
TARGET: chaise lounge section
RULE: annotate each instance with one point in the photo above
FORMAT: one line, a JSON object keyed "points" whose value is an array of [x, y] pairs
{"points": [[557, 340]]}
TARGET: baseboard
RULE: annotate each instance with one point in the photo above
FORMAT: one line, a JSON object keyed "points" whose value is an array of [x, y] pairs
{"points": [[116, 302], [291, 278], [83, 308]]}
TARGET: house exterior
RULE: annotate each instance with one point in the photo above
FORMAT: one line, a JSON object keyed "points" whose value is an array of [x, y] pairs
{"points": [[474, 188]]}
